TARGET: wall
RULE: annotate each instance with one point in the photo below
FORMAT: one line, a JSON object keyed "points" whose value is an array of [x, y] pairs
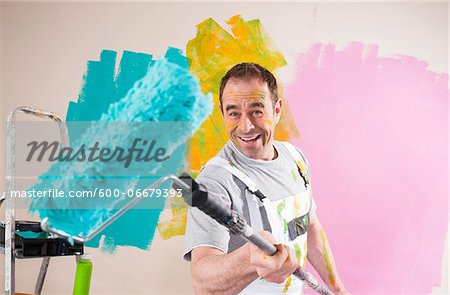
{"points": [[44, 50]]}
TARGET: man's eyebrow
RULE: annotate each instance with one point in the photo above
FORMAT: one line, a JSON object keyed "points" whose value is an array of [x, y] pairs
{"points": [[257, 104], [231, 107]]}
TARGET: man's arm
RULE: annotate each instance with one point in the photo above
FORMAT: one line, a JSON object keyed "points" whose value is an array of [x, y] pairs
{"points": [[219, 273], [216, 272], [321, 258]]}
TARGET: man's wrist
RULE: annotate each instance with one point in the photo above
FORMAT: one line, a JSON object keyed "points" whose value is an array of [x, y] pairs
{"points": [[247, 250]]}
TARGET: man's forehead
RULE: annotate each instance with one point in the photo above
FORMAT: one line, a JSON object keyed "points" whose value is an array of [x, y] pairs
{"points": [[253, 88], [249, 81]]}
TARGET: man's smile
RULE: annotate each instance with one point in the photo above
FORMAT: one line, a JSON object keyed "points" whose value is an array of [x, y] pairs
{"points": [[249, 138]]}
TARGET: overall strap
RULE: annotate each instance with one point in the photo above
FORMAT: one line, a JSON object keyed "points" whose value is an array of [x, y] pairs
{"points": [[257, 218], [301, 165], [249, 183], [299, 159]]}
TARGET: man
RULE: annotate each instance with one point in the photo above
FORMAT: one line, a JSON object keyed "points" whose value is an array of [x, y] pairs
{"points": [[222, 263]]}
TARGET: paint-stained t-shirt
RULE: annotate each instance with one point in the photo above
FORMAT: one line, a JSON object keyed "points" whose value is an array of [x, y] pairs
{"points": [[276, 179]]}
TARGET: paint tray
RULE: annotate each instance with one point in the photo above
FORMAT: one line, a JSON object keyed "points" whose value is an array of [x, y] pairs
{"points": [[32, 242]]}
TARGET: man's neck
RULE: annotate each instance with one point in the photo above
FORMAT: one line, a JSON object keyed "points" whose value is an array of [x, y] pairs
{"points": [[272, 155]]}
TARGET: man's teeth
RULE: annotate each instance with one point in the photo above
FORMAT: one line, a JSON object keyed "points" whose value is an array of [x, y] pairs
{"points": [[249, 138]]}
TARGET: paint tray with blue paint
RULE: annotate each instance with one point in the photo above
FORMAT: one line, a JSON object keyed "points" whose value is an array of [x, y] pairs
{"points": [[30, 241]]}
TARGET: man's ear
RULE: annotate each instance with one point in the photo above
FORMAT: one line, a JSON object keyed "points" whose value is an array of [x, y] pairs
{"points": [[277, 110]]}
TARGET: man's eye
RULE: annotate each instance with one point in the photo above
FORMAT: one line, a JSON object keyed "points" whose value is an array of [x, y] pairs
{"points": [[257, 113], [233, 114]]}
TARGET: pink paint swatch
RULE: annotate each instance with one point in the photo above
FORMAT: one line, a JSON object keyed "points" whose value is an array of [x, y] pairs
{"points": [[375, 132]]}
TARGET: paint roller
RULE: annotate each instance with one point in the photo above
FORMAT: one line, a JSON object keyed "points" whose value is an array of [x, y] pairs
{"points": [[167, 93], [197, 196]]}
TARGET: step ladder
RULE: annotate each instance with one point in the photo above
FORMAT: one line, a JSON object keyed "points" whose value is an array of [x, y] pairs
{"points": [[12, 244]]}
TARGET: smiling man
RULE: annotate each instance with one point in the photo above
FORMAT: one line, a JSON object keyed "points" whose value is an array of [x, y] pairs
{"points": [[222, 263]]}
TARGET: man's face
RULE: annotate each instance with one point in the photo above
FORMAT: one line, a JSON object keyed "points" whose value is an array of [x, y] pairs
{"points": [[250, 117]]}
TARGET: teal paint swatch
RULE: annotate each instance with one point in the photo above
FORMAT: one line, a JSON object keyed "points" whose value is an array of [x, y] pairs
{"points": [[144, 90]]}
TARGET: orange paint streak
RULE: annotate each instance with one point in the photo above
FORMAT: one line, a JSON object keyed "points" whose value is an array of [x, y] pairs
{"points": [[288, 283], [268, 122], [327, 259], [305, 250], [297, 208]]}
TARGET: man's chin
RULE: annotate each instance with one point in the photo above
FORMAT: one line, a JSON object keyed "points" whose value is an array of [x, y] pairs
{"points": [[246, 150]]}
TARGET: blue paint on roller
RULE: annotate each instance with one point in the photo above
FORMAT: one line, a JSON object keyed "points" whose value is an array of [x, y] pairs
{"points": [[166, 92]]}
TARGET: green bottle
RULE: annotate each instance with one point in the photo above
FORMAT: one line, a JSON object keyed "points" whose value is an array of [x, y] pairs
{"points": [[83, 275]]}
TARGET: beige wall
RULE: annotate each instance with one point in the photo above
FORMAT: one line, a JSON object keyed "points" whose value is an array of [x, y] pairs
{"points": [[45, 47]]}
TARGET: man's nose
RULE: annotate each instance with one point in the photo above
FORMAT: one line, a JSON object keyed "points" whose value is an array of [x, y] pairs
{"points": [[245, 124]]}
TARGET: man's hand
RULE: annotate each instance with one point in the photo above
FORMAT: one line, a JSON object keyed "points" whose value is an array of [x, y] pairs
{"points": [[274, 268], [214, 272]]}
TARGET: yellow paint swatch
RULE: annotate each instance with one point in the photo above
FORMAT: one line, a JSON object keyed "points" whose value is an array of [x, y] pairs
{"points": [[176, 226], [211, 54]]}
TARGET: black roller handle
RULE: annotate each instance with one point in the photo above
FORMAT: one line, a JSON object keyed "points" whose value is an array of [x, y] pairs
{"points": [[209, 204]]}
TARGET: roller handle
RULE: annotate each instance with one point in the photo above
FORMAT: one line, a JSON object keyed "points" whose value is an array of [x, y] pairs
{"points": [[209, 204], [262, 244]]}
